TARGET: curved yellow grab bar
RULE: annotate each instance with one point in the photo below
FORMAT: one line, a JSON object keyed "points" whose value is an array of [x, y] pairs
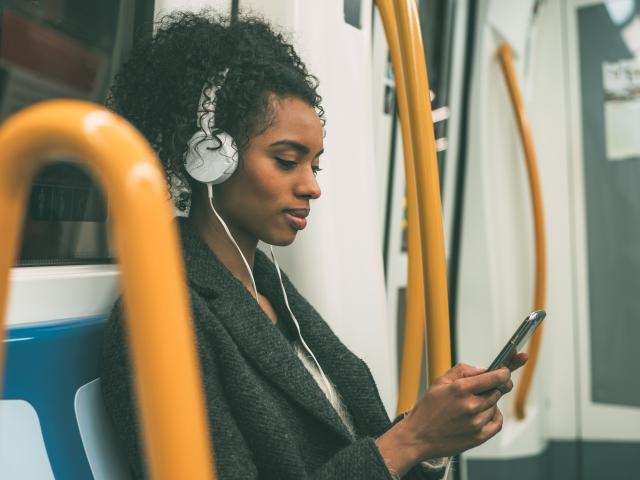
{"points": [[163, 347], [428, 188], [522, 390], [414, 312]]}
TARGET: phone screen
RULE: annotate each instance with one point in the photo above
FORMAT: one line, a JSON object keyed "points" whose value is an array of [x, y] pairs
{"points": [[519, 338]]}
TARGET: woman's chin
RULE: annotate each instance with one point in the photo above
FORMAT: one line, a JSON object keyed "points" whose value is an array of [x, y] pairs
{"points": [[281, 240], [285, 242]]}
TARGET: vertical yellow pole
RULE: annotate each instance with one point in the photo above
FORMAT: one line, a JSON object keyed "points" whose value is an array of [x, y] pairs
{"points": [[428, 188], [524, 386], [160, 334], [414, 323]]}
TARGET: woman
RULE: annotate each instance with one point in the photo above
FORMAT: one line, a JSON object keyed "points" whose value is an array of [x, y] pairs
{"points": [[286, 399]]}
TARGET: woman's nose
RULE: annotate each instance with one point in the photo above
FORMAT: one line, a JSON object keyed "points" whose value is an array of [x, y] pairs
{"points": [[308, 186]]}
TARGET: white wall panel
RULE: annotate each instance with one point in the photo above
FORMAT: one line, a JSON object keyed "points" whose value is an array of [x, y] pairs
{"points": [[382, 121], [44, 294]]}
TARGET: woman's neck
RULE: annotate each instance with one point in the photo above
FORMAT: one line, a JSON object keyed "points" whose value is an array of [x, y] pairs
{"points": [[212, 232]]}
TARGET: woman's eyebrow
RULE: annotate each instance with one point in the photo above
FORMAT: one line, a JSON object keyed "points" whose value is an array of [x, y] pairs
{"points": [[296, 146]]}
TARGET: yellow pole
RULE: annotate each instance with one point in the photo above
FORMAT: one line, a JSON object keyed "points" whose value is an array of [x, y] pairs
{"points": [[414, 321], [524, 386], [165, 365], [428, 186]]}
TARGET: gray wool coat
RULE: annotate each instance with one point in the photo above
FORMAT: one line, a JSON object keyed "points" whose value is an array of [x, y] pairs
{"points": [[268, 417]]}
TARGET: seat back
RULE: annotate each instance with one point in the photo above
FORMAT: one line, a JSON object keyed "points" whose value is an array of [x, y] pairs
{"points": [[51, 380]]}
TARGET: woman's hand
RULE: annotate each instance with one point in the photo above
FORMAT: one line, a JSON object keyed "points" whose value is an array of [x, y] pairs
{"points": [[458, 412]]}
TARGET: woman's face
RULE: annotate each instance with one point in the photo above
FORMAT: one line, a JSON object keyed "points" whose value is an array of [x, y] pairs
{"points": [[268, 197]]}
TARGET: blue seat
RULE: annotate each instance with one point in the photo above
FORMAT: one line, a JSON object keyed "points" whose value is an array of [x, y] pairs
{"points": [[53, 369]]}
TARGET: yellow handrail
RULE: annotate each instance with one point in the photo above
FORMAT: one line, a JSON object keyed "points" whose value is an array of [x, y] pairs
{"points": [[160, 334], [522, 390], [414, 321], [428, 188]]}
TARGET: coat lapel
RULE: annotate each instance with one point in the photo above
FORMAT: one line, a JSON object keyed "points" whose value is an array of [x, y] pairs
{"points": [[263, 345], [350, 374]]}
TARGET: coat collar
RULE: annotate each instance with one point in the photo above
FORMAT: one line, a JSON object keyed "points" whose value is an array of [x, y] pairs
{"points": [[269, 351]]}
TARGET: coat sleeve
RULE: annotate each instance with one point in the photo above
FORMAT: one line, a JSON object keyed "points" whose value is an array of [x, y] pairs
{"points": [[362, 461]]}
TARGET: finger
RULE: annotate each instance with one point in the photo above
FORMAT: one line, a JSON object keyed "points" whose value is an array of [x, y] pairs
{"points": [[519, 360], [492, 427], [482, 419], [461, 370], [469, 371], [485, 381], [485, 401], [506, 388]]}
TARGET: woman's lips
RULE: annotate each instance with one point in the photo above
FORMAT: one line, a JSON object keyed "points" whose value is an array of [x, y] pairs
{"points": [[296, 218]]}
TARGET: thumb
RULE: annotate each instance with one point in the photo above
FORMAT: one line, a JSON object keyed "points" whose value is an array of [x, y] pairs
{"points": [[461, 370]]}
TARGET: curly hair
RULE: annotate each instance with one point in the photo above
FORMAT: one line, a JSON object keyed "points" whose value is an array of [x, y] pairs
{"points": [[158, 89]]}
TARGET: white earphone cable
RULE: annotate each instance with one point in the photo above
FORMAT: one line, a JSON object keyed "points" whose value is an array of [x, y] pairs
{"points": [[226, 229], [295, 321]]}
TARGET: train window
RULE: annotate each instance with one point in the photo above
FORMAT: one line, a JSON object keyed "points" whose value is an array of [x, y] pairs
{"points": [[65, 221], [71, 49], [352, 9]]}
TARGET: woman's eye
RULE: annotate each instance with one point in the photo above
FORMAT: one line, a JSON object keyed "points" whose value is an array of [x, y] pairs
{"points": [[316, 170], [286, 164]]}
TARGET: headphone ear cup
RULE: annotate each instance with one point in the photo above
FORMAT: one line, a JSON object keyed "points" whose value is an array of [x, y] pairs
{"points": [[211, 159]]}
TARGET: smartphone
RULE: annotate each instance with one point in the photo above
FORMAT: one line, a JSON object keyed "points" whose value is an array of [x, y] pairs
{"points": [[517, 341]]}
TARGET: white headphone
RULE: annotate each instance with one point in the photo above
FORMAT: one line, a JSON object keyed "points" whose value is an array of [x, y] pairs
{"points": [[210, 158]]}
